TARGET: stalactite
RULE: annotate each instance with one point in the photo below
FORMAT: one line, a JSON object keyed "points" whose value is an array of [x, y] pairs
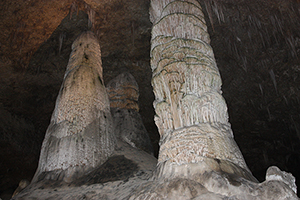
{"points": [[273, 78], [91, 16], [61, 38], [209, 11], [290, 41], [73, 9]]}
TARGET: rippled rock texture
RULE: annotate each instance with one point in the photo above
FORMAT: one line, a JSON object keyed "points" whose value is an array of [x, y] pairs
{"points": [[191, 113], [198, 157], [86, 152], [123, 93], [80, 135], [256, 45]]}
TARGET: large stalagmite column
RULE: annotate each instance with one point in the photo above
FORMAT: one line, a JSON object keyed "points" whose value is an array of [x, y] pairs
{"points": [[198, 157], [80, 135], [123, 93], [191, 113]]}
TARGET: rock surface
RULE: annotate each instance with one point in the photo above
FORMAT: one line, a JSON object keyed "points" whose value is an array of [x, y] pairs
{"points": [[256, 45], [123, 94], [198, 159], [117, 178], [80, 135], [191, 113], [198, 156], [119, 167]]}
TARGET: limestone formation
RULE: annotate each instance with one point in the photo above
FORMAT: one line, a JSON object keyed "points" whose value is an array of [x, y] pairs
{"points": [[117, 179], [198, 156], [81, 131], [80, 135], [128, 125], [22, 185], [123, 92], [191, 113]]}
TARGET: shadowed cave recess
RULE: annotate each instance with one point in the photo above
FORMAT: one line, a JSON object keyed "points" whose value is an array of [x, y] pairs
{"points": [[256, 45]]}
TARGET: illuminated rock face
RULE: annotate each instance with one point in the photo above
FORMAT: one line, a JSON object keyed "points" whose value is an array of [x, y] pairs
{"points": [[128, 125], [123, 92], [80, 135], [191, 113], [198, 157]]}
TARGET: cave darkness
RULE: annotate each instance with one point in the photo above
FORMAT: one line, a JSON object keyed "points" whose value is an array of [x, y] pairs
{"points": [[256, 45]]}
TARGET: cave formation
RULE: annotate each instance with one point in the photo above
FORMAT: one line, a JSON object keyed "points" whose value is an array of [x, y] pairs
{"points": [[256, 45], [80, 135]]}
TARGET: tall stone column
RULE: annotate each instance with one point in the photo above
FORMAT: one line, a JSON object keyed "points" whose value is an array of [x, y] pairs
{"points": [[80, 135], [198, 157], [123, 93], [191, 113]]}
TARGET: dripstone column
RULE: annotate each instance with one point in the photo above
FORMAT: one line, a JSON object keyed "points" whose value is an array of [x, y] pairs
{"points": [[80, 135], [191, 113], [198, 157], [123, 94]]}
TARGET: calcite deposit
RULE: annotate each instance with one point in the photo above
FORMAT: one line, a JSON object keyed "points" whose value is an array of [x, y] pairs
{"points": [[123, 94], [198, 156], [80, 135], [83, 157], [191, 113]]}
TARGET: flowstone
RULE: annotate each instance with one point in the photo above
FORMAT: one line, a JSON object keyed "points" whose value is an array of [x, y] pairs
{"points": [[123, 94], [80, 135]]}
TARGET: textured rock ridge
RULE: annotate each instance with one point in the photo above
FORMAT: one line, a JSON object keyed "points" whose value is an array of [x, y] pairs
{"points": [[128, 125], [80, 135]]}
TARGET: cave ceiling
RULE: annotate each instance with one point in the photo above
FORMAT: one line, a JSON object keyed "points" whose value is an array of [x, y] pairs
{"points": [[256, 45]]}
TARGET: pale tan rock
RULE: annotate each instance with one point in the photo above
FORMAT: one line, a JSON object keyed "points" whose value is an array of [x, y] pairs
{"points": [[22, 185], [275, 174], [128, 125], [125, 170], [80, 135], [121, 164], [198, 157], [123, 92], [191, 113]]}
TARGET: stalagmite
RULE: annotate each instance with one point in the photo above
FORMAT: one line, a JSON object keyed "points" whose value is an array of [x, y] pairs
{"points": [[80, 135], [187, 85], [198, 157], [123, 94]]}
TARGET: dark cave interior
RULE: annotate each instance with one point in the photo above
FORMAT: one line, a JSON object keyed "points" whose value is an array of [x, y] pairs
{"points": [[256, 45]]}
